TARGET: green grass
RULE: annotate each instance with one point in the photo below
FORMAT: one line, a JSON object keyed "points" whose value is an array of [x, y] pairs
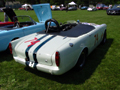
{"points": [[101, 72]]}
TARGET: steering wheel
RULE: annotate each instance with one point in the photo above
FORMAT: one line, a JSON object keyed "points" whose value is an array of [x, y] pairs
{"points": [[52, 28]]}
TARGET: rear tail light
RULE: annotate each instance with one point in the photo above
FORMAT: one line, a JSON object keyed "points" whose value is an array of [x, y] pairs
{"points": [[10, 48], [57, 58]]}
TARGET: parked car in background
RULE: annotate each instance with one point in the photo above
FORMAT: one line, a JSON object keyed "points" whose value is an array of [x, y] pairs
{"points": [[24, 25], [114, 10], [21, 8], [100, 6], [84, 8], [1, 9], [92, 8], [72, 8], [58, 49], [55, 7], [105, 7], [63, 8]]}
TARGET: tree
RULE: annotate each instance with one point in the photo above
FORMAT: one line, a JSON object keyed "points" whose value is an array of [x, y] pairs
{"points": [[2, 3], [58, 2], [38, 1]]}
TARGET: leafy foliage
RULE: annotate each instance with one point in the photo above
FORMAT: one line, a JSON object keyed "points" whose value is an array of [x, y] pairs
{"points": [[2, 3], [58, 2]]}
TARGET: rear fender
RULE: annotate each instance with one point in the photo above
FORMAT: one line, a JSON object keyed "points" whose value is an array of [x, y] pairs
{"points": [[11, 40], [84, 48]]}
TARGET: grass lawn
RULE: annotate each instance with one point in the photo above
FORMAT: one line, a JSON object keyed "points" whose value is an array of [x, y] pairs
{"points": [[101, 72]]}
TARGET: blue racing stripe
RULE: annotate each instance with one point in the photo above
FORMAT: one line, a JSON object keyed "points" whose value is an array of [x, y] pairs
{"points": [[35, 51], [26, 51]]}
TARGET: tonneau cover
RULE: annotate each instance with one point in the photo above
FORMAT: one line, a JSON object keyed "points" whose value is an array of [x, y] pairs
{"points": [[76, 31]]}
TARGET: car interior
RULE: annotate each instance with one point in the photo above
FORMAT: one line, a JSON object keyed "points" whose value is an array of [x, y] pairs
{"points": [[17, 24], [57, 28], [68, 29]]}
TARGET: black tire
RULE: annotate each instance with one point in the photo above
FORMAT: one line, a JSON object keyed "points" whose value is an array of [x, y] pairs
{"points": [[81, 60], [104, 38]]}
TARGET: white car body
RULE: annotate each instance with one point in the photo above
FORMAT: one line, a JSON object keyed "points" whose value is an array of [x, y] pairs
{"points": [[91, 9], [41, 48]]}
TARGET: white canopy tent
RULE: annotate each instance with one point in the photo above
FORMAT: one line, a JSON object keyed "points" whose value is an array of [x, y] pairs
{"points": [[72, 3], [26, 5]]}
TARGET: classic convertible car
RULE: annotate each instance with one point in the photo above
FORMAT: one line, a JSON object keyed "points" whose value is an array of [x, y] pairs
{"points": [[24, 25], [58, 48]]}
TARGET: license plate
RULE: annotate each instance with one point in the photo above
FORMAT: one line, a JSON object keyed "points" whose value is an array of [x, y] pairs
{"points": [[31, 64]]}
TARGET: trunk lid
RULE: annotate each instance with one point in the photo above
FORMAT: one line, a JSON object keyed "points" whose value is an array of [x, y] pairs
{"points": [[10, 13], [40, 48]]}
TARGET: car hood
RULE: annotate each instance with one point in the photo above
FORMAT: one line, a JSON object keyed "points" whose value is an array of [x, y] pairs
{"points": [[10, 13], [39, 48], [43, 12]]}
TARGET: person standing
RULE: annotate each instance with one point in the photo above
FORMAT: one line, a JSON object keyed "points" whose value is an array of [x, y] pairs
{"points": [[5, 16], [66, 8]]}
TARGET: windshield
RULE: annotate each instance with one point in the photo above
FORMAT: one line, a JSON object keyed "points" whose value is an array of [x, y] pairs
{"points": [[116, 6], [25, 19]]}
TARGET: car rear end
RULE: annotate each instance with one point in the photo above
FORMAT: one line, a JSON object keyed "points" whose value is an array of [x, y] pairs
{"points": [[39, 52]]}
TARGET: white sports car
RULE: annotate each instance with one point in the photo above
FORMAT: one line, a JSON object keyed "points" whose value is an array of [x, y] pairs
{"points": [[58, 48], [92, 9]]}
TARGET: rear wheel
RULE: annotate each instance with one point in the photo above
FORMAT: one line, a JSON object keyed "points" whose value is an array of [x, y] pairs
{"points": [[104, 38], [81, 60]]}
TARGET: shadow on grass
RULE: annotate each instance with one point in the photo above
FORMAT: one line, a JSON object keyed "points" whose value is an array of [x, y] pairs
{"points": [[79, 77], [114, 15], [5, 56]]}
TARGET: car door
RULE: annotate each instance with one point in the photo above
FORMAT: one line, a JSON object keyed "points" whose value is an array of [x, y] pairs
{"points": [[33, 29]]}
